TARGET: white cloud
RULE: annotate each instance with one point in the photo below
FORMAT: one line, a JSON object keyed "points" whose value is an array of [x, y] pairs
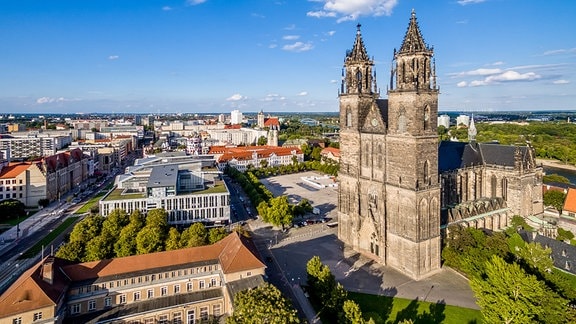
{"points": [[467, 2], [49, 100], [461, 84], [507, 76], [352, 9], [195, 2], [113, 57], [272, 45], [331, 33], [560, 51], [497, 63], [561, 82], [166, 8], [290, 27], [298, 47], [291, 37], [236, 97], [480, 72], [273, 97], [303, 93], [334, 81]]}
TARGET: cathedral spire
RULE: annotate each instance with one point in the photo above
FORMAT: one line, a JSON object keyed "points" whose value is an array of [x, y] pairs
{"points": [[472, 131], [413, 40], [358, 52]]}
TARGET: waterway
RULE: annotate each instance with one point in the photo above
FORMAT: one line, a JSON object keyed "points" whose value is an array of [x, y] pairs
{"points": [[569, 174]]}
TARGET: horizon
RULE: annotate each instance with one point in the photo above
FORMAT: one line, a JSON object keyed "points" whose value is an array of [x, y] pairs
{"points": [[212, 56]]}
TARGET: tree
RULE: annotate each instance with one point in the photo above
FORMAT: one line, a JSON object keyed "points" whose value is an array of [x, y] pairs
{"points": [[279, 213], [263, 304], [555, 199], [73, 251], [564, 235], [11, 209], [536, 256], [87, 229], [149, 240], [262, 140], [554, 177], [126, 243], [352, 312], [43, 202], [173, 240], [216, 234], [506, 294], [195, 235], [97, 249]]}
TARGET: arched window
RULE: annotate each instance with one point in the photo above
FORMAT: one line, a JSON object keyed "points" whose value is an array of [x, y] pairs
{"points": [[504, 188], [367, 154], [427, 118], [380, 155], [426, 173], [348, 119], [402, 123], [493, 185], [359, 80]]}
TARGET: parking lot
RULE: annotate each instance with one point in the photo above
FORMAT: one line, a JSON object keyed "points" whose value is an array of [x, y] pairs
{"points": [[292, 185]]}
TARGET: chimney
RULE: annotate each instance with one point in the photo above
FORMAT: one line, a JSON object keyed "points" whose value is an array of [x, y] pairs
{"points": [[48, 270]]}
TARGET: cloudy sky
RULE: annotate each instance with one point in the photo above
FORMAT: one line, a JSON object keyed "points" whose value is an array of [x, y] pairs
{"points": [[154, 56]]}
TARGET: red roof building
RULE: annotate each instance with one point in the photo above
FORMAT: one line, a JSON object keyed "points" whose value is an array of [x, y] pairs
{"points": [[257, 156]]}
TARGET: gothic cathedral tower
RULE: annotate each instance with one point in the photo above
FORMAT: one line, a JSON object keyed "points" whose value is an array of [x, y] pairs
{"points": [[389, 201]]}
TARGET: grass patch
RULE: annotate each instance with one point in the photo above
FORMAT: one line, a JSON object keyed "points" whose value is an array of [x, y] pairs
{"points": [[387, 310], [48, 238], [116, 194], [90, 203]]}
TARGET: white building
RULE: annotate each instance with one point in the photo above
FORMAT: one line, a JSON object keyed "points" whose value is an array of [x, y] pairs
{"points": [[236, 117], [463, 120], [444, 120]]}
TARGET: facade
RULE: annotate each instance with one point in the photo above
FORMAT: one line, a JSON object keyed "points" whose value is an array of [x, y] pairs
{"points": [[181, 286], [444, 120], [23, 181], [331, 153], [241, 158], [398, 187], [33, 144], [236, 117], [462, 120], [188, 196], [568, 215]]}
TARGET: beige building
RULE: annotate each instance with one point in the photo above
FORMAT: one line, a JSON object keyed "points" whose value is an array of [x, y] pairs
{"points": [[398, 187], [180, 286]]}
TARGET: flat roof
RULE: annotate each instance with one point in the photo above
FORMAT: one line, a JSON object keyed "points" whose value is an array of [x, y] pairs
{"points": [[163, 176]]}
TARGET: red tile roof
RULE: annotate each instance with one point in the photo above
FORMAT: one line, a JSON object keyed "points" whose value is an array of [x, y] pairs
{"points": [[333, 150], [245, 152], [14, 169], [271, 121], [570, 201]]}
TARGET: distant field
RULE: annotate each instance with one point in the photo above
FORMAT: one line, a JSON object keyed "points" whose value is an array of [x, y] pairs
{"points": [[390, 310]]}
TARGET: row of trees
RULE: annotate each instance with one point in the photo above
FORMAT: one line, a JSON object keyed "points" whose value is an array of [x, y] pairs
{"points": [[327, 167], [514, 281], [118, 235], [264, 304]]}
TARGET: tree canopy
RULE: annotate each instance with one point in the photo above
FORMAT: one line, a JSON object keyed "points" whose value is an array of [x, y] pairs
{"points": [[263, 304]]}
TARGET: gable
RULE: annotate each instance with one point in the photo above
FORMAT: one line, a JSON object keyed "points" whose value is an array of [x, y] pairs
{"points": [[374, 123]]}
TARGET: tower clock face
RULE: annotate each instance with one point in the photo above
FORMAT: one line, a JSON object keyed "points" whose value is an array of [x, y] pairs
{"points": [[374, 122]]}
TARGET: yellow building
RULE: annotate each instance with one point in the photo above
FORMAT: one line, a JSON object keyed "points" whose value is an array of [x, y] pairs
{"points": [[180, 286]]}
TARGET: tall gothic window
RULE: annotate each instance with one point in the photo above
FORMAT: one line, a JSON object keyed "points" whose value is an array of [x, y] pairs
{"points": [[493, 186], [427, 117], [359, 81], [367, 155], [402, 123], [348, 119], [504, 188]]}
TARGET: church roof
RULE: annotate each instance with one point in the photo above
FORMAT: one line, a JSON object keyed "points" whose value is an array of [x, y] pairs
{"points": [[455, 155], [413, 40], [570, 201], [358, 52]]}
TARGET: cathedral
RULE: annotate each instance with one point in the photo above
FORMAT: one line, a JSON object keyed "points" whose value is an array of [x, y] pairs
{"points": [[399, 187]]}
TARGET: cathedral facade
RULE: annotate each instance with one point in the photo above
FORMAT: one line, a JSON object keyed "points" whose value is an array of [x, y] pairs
{"points": [[394, 181]]}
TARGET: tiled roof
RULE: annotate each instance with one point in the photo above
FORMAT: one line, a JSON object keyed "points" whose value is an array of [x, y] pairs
{"points": [[31, 292], [246, 152], [271, 121], [570, 201], [455, 155], [234, 255], [14, 169], [333, 150]]}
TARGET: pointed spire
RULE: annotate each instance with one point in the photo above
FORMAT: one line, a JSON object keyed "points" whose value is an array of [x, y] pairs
{"points": [[472, 131], [413, 40], [358, 52]]}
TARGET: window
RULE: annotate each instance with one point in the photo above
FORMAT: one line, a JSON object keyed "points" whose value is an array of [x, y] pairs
{"points": [[163, 291], [91, 305], [213, 281], [201, 284], [177, 318], [203, 313], [37, 316], [136, 295], [107, 301], [189, 286], [150, 293], [122, 299], [176, 289], [75, 309], [17, 320], [163, 319], [216, 310], [149, 320], [111, 284]]}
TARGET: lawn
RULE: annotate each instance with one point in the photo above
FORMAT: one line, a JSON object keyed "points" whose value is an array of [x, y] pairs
{"points": [[46, 240], [387, 310], [93, 201]]}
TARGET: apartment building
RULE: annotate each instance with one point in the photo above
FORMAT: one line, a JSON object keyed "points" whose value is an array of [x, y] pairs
{"points": [[182, 286], [243, 156], [33, 144]]}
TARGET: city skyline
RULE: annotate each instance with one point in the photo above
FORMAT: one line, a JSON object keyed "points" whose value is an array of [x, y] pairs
{"points": [[277, 56]]}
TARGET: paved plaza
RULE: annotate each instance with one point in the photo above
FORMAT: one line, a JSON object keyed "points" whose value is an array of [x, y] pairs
{"points": [[292, 250]]}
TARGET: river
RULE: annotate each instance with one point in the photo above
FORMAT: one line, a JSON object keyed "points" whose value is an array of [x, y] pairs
{"points": [[569, 174]]}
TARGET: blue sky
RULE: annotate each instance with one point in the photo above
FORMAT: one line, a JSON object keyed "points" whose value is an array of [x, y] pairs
{"points": [[153, 56]]}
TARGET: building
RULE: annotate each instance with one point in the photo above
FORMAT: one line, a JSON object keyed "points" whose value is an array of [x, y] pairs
{"points": [[330, 153], [179, 286], [23, 181], [462, 120], [236, 117], [444, 120], [398, 187], [241, 158], [568, 216], [33, 144], [187, 195]]}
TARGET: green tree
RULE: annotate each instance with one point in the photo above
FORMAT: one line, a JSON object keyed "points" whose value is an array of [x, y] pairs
{"points": [[279, 213], [536, 256], [555, 199], [262, 140], [87, 229], [149, 240], [97, 248], [126, 243], [11, 209], [506, 294], [554, 177], [43, 202], [564, 235], [73, 251], [263, 304], [195, 235], [215, 234], [173, 240], [352, 312]]}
